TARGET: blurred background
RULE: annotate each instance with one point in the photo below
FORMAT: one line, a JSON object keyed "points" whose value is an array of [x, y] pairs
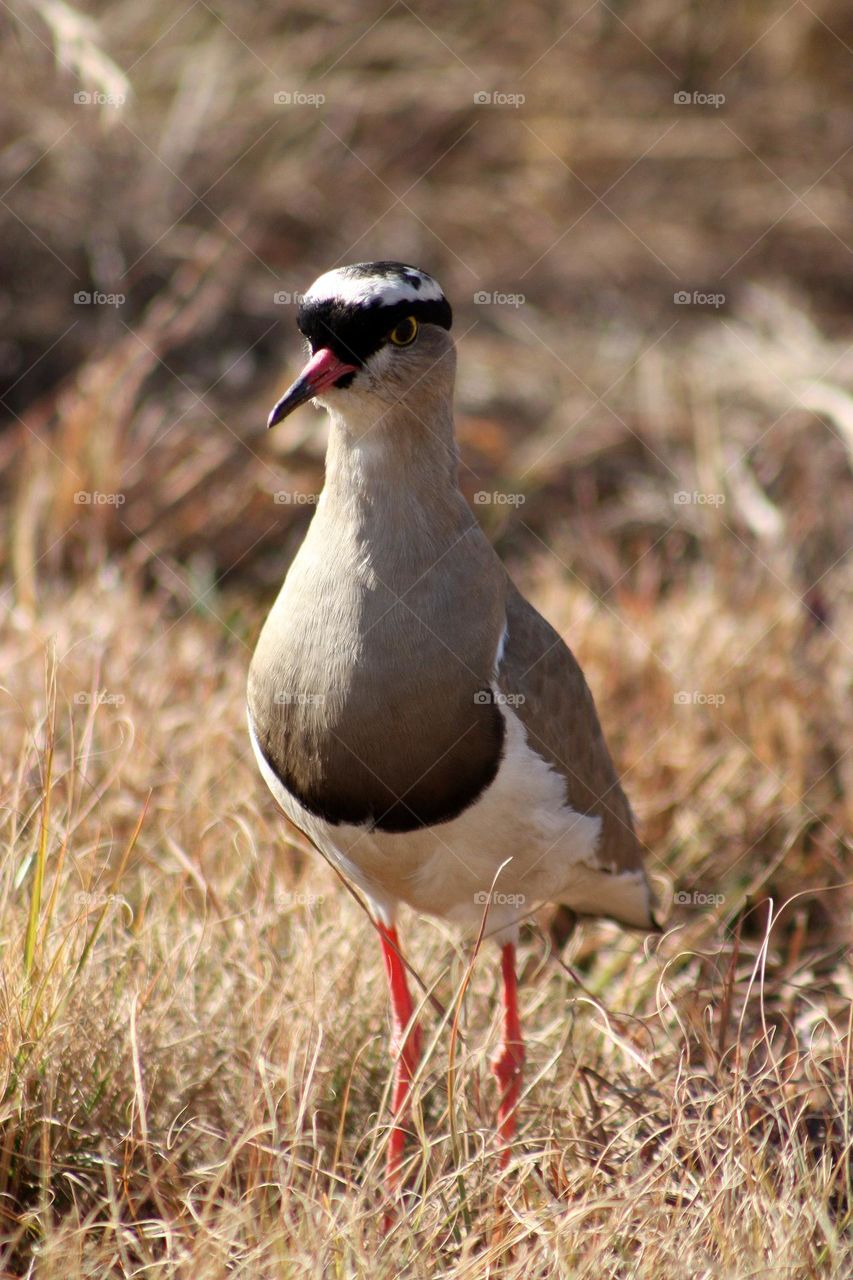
{"points": [[641, 214]]}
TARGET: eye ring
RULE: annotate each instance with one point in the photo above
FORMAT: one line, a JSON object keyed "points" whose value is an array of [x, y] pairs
{"points": [[404, 334]]}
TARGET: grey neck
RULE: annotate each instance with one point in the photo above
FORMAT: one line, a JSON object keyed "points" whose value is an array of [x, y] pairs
{"points": [[396, 476]]}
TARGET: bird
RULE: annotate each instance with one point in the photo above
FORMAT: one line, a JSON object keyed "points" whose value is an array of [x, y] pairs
{"points": [[411, 712]]}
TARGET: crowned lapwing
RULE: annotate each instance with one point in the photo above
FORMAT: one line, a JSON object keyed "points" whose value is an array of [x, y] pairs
{"points": [[410, 711]]}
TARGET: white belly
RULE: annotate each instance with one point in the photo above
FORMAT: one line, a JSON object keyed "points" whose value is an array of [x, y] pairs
{"points": [[452, 869]]}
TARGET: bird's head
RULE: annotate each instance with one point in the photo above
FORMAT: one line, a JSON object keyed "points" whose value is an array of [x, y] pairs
{"points": [[376, 332]]}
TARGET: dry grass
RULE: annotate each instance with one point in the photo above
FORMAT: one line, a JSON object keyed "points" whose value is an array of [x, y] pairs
{"points": [[200, 1090], [193, 1066]]}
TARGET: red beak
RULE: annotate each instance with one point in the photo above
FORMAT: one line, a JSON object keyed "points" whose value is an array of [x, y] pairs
{"points": [[322, 370]]}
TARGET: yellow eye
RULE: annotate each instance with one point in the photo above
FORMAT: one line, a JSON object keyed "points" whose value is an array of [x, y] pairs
{"points": [[405, 332]]}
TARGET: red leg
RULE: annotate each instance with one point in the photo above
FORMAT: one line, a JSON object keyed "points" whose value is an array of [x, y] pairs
{"points": [[509, 1062], [406, 1047]]}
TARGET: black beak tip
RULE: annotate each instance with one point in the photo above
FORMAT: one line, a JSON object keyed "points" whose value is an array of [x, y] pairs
{"points": [[293, 397]]}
